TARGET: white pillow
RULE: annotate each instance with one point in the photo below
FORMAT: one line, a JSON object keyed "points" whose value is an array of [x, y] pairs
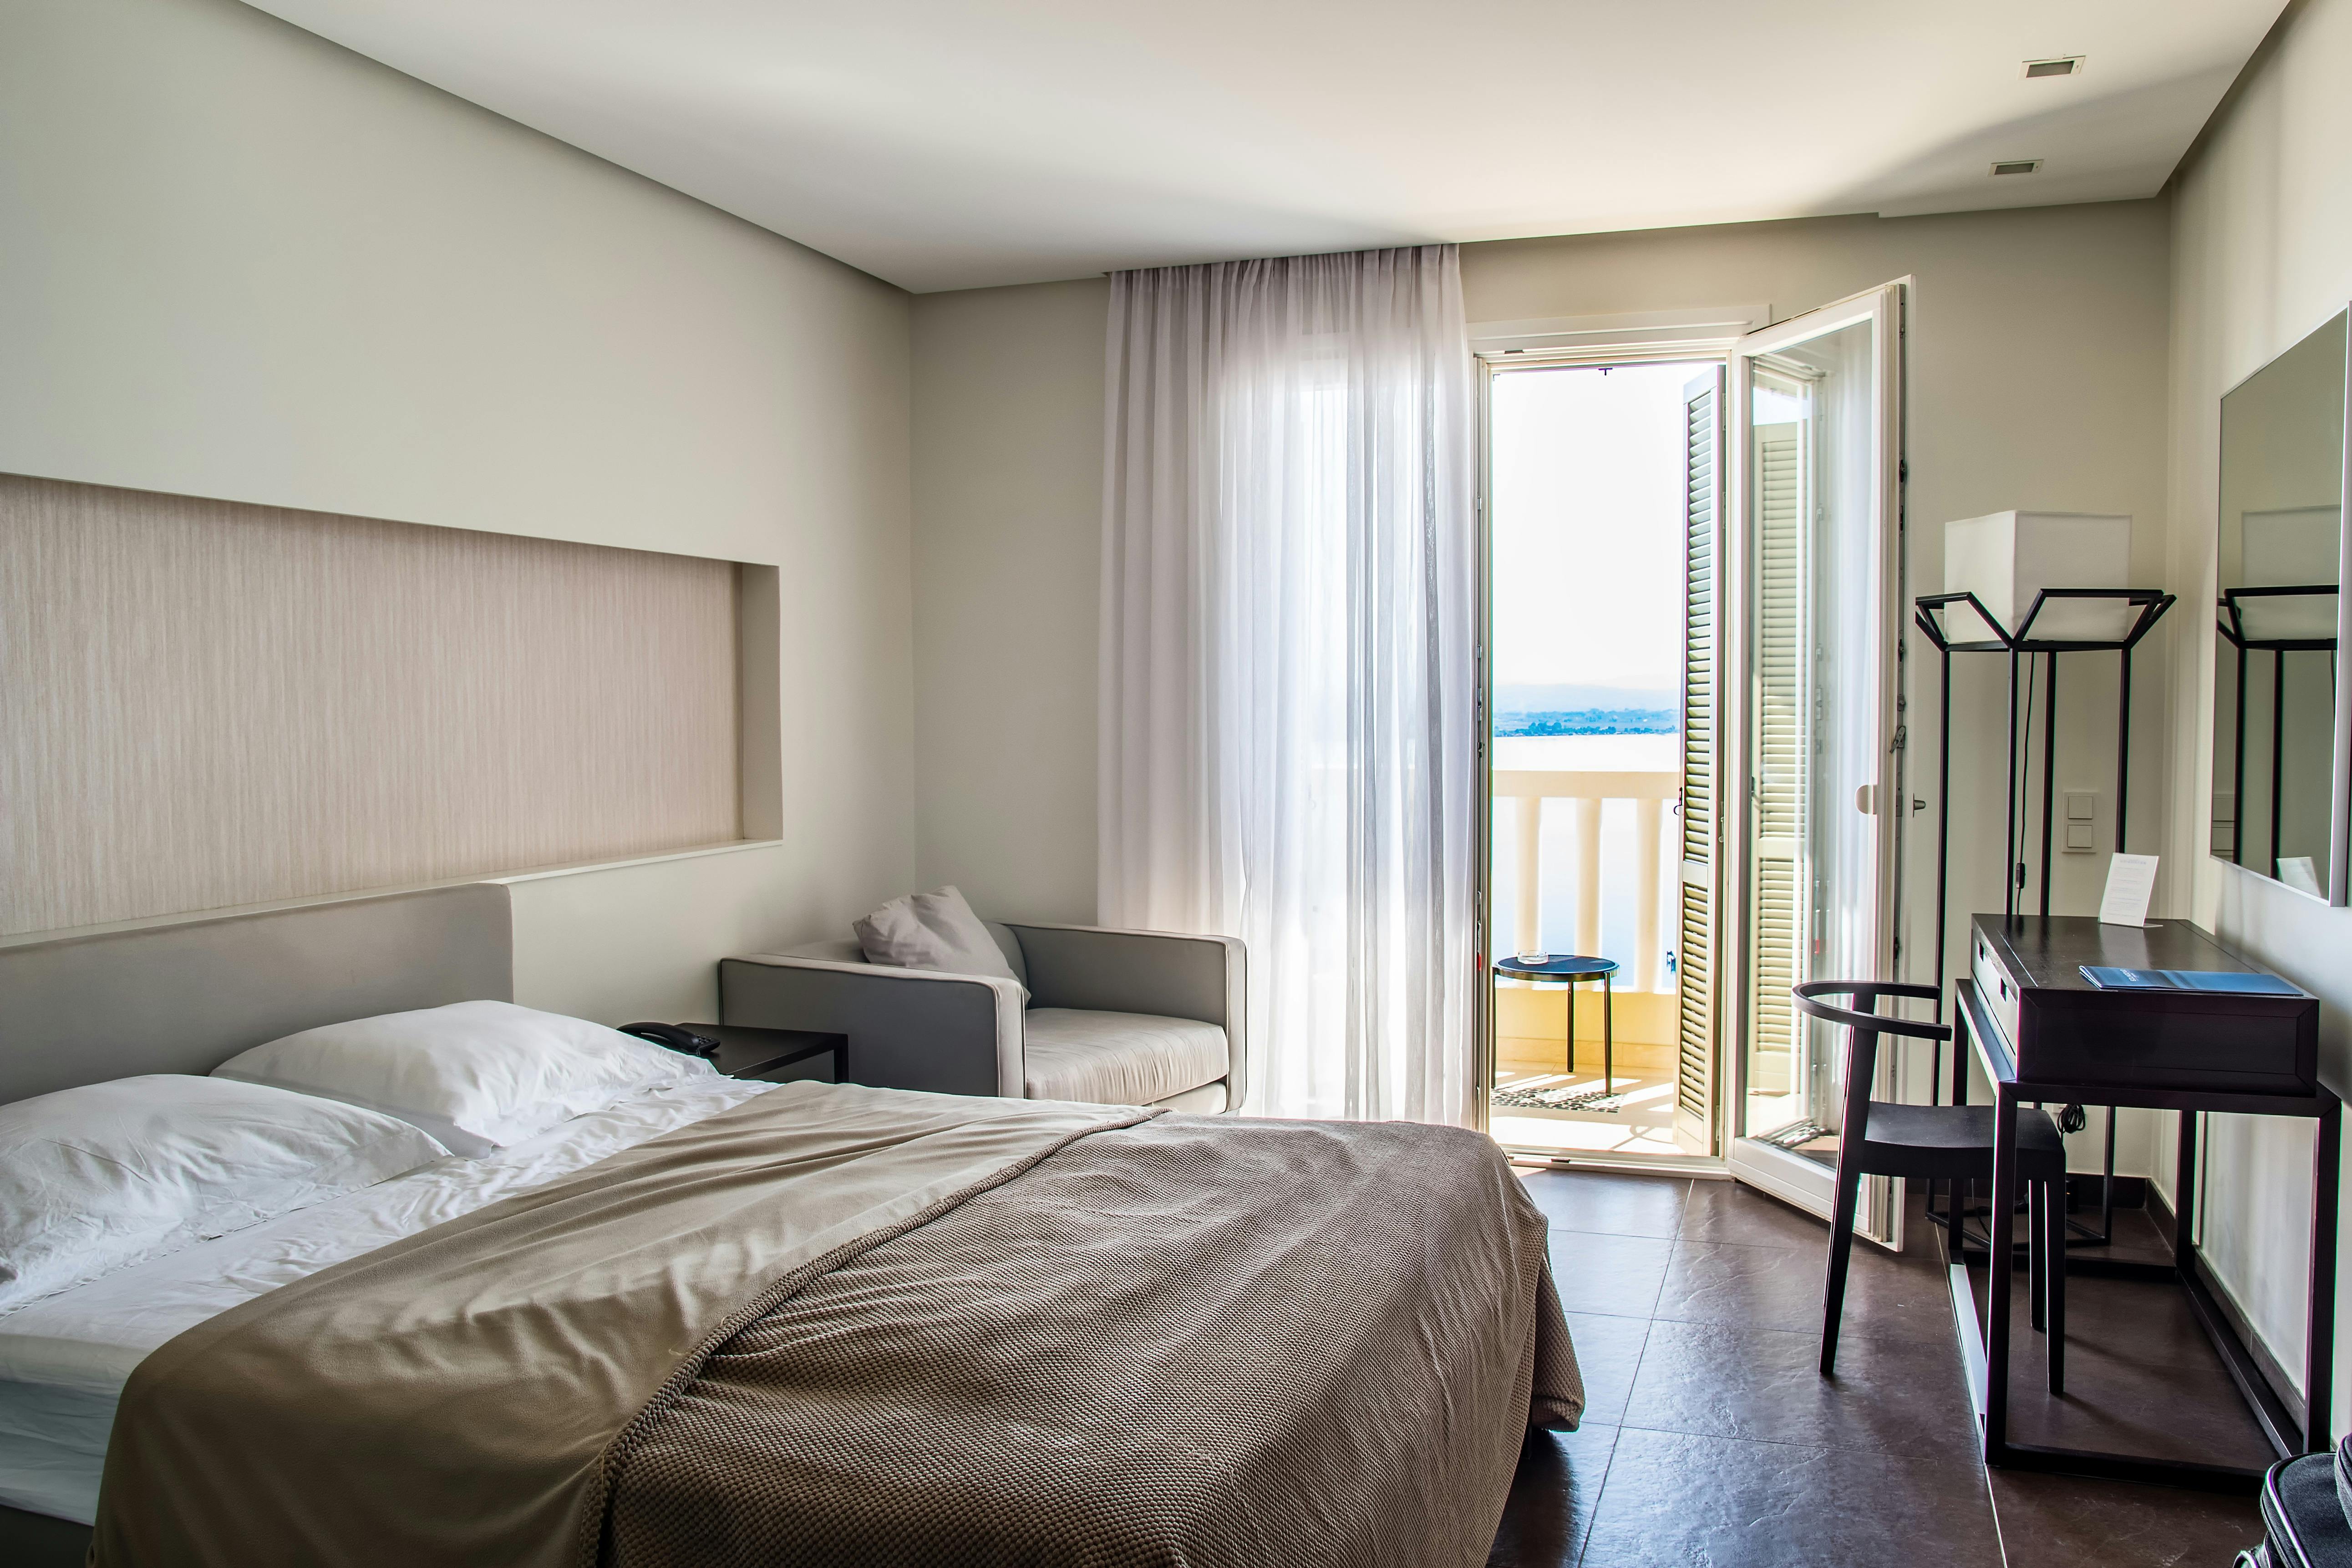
{"points": [[933, 930], [98, 1178], [478, 1075]]}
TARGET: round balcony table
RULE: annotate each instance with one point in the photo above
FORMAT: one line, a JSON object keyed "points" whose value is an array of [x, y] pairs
{"points": [[1569, 970]]}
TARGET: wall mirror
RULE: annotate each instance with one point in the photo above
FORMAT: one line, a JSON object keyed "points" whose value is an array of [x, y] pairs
{"points": [[2279, 768]]}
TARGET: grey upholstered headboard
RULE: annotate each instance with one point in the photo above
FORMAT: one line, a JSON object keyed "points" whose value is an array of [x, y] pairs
{"points": [[186, 997]]}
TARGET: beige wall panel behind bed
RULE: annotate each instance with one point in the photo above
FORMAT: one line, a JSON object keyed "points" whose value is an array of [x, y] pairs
{"points": [[204, 705]]}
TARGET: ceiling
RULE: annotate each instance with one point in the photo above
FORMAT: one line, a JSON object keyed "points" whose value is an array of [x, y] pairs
{"points": [[957, 144]]}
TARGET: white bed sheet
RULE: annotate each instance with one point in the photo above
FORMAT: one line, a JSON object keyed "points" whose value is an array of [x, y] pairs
{"points": [[65, 1358]]}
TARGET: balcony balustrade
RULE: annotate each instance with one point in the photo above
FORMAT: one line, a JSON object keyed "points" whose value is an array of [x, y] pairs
{"points": [[1607, 877], [1651, 791]]}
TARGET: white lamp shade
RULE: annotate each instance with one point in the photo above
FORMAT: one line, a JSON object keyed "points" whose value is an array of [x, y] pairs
{"points": [[2291, 547], [2287, 617], [2006, 558]]}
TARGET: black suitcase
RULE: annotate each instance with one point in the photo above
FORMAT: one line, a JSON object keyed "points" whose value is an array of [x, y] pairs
{"points": [[2303, 1514]]}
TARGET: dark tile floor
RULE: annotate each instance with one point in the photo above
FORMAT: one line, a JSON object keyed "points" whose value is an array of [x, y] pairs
{"points": [[1710, 1441]]}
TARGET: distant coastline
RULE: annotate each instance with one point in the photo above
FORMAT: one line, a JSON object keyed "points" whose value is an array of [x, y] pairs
{"points": [[1590, 721]]}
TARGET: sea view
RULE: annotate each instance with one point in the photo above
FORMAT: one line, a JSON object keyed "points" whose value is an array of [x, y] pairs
{"points": [[1590, 721]]}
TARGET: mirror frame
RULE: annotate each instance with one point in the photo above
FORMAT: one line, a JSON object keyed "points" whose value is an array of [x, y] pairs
{"points": [[2339, 793]]}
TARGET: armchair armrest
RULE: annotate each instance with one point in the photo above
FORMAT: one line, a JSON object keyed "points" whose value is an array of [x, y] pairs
{"points": [[907, 1029], [1171, 974]]}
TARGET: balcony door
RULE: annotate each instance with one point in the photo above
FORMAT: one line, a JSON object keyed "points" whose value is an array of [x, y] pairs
{"points": [[1603, 493], [1814, 435]]}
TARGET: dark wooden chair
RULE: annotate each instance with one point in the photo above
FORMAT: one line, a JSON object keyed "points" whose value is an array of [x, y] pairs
{"points": [[1934, 1144]]}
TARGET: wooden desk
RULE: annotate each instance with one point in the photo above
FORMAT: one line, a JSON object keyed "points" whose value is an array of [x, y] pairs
{"points": [[2098, 1079]]}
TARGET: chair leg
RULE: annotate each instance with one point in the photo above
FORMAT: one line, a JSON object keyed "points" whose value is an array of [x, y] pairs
{"points": [[2037, 1255], [1849, 1188], [2054, 1241]]}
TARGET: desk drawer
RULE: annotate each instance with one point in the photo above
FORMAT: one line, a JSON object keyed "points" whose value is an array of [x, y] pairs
{"points": [[2189, 1043], [2062, 1030]]}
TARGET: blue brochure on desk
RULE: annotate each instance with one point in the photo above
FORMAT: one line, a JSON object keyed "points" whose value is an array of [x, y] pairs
{"points": [[2225, 982]]}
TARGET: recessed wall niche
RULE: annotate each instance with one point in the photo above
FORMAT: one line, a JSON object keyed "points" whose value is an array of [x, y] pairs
{"points": [[205, 704]]}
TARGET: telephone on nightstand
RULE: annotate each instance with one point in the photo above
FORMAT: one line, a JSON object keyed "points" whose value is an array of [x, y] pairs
{"points": [[674, 1037]]}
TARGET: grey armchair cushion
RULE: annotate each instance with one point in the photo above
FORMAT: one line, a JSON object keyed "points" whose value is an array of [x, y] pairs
{"points": [[1117, 1058], [1162, 973], [1206, 1100], [1012, 946], [936, 931]]}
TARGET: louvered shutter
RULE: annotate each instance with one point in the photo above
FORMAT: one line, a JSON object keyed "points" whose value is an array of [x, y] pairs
{"points": [[1695, 943], [1778, 919]]}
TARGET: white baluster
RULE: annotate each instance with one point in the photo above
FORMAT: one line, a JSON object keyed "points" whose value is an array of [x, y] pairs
{"points": [[1647, 871], [1588, 876], [1529, 932]]}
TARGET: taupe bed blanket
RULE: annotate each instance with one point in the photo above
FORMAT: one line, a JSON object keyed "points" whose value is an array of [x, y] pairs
{"points": [[837, 1325]]}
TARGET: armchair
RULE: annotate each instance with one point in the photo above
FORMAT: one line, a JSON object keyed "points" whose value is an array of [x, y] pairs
{"points": [[1119, 1018]]}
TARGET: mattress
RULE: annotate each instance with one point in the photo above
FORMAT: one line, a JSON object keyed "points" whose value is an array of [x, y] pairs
{"points": [[65, 1358]]}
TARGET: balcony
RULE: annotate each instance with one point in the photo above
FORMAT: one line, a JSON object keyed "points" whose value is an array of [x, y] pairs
{"points": [[1587, 857]]}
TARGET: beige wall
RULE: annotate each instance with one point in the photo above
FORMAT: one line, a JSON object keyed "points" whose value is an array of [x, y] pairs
{"points": [[240, 262], [1008, 508], [640, 939], [2262, 254], [2037, 379]]}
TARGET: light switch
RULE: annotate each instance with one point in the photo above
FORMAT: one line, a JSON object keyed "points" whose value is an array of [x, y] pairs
{"points": [[2078, 837], [2081, 805]]}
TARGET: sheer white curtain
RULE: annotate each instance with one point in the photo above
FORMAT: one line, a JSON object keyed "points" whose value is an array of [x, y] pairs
{"points": [[1288, 739]]}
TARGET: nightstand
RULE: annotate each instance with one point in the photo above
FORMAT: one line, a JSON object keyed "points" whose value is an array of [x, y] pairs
{"points": [[768, 1053]]}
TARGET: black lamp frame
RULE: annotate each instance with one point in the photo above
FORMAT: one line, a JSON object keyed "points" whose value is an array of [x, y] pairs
{"points": [[2232, 628], [1926, 612]]}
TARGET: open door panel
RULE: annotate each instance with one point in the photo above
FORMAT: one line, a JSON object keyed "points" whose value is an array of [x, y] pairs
{"points": [[1814, 434]]}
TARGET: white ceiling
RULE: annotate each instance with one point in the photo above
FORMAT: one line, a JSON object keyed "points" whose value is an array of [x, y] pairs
{"points": [[956, 143]]}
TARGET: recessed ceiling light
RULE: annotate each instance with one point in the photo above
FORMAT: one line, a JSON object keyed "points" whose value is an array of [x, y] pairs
{"points": [[2069, 65], [2017, 166]]}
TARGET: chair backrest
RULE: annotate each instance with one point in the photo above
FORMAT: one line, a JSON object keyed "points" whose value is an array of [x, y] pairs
{"points": [[1864, 1025]]}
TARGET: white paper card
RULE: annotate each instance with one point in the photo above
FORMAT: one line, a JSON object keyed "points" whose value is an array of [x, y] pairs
{"points": [[2130, 879]]}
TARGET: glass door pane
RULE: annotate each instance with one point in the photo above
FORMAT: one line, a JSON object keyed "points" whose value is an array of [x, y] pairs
{"points": [[1817, 439]]}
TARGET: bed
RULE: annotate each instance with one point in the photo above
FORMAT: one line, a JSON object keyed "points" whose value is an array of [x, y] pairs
{"points": [[744, 1323]]}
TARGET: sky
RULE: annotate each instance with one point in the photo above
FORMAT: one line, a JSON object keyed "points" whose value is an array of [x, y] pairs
{"points": [[1588, 490]]}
